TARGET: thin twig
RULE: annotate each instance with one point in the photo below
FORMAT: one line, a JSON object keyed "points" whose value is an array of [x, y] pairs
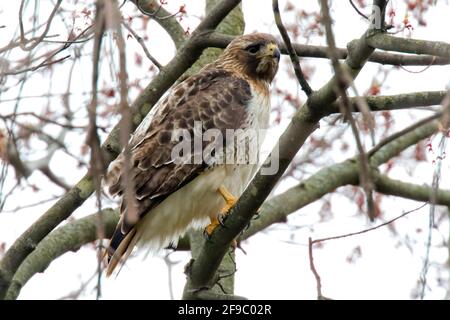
{"points": [[68, 41], [131, 214], [23, 41], [357, 10], [44, 119], [164, 18], [48, 95], [76, 293], [431, 223], [54, 178], [22, 33], [45, 63], [97, 162], [369, 229], [170, 264], [343, 80], [92, 139], [312, 242], [290, 49], [44, 137], [14, 44], [313, 269], [7, 194], [422, 70], [155, 15], [18, 208], [144, 47], [363, 107]]}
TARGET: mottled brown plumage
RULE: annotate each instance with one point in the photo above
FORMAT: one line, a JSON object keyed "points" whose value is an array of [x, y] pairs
{"points": [[219, 96]]}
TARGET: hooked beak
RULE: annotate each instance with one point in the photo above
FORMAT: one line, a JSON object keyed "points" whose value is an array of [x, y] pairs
{"points": [[271, 50]]}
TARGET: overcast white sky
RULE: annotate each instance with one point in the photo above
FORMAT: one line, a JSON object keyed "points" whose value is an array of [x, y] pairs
{"points": [[388, 269]]}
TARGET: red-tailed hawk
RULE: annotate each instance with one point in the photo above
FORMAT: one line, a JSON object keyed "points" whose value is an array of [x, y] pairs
{"points": [[228, 95]]}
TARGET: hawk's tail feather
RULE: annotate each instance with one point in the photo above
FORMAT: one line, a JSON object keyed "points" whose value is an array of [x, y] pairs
{"points": [[118, 250]]}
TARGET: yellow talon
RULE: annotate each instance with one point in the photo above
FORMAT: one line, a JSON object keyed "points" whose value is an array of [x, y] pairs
{"points": [[212, 226], [229, 199], [230, 202]]}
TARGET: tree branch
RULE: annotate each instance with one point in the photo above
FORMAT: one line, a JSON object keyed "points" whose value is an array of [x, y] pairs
{"points": [[312, 242], [38, 40], [358, 11], [290, 49], [344, 80], [390, 43], [164, 18], [398, 188], [69, 237], [144, 47], [393, 102], [400, 133], [311, 51], [400, 101]]}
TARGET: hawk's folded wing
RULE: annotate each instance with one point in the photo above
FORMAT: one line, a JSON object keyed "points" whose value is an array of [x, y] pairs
{"points": [[216, 99]]}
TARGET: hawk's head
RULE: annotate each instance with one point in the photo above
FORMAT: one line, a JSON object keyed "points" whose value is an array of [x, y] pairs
{"points": [[255, 55]]}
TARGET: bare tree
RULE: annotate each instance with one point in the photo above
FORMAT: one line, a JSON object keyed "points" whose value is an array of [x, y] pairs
{"points": [[100, 37]]}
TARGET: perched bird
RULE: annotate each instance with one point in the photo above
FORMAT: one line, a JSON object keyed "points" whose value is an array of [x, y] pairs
{"points": [[172, 195]]}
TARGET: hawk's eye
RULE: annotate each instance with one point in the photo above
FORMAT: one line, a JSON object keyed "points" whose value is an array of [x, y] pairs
{"points": [[253, 49]]}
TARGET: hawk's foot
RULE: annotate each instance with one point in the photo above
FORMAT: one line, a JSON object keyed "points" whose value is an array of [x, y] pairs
{"points": [[230, 201], [207, 232]]}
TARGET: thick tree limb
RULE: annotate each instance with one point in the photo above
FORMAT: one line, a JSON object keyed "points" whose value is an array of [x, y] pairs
{"points": [[394, 102], [69, 237], [208, 295], [415, 46], [402, 101], [311, 51], [398, 188], [64, 207], [28, 241]]}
